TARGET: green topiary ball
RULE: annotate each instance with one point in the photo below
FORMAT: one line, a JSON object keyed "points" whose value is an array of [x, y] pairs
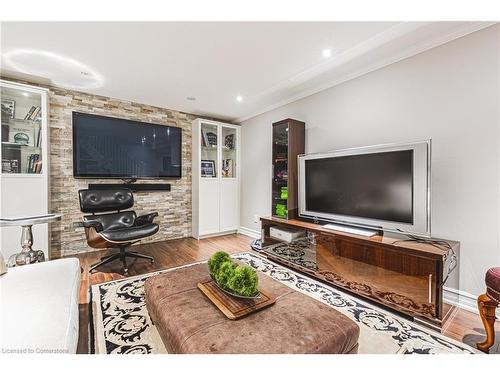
{"points": [[216, 261], [224, 273], [243, 281]]}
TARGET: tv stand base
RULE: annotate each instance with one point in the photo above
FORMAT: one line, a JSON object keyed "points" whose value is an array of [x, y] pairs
{"points": [[389, 269], [352, 230]]}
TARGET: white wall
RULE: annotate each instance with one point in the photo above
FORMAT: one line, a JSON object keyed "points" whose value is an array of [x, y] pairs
{"points": [[449, 94]]}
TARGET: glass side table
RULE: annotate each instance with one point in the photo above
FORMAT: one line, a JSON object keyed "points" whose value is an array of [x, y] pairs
{"points": [[27, 254]]}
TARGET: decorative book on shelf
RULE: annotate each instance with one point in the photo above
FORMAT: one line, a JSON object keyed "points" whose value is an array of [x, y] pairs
{"points": [[34, 164], [208, 138], [22, 132], [10, 165], [33, 114], [288, 143], [11, 160], [229, 141], [15, 160], [227, 168]]}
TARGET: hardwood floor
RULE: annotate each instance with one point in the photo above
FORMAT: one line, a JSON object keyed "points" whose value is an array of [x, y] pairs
{"points": [[465, 326]]}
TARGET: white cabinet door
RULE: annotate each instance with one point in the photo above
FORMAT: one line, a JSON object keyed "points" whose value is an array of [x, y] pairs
{"points": [[209, 206], [229, 204], [23, 196]]}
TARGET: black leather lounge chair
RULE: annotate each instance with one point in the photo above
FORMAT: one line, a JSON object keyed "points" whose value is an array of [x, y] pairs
{"points": [[108, 226]]}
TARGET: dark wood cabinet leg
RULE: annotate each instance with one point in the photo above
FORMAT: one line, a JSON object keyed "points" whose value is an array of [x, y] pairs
{"points": [[487, 308]]}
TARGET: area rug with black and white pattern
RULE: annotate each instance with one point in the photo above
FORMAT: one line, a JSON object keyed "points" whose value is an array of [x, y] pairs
{"points": [[121, 324]]}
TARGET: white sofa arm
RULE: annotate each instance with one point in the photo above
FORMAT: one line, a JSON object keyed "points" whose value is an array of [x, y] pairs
{"points": [[39, 307]]}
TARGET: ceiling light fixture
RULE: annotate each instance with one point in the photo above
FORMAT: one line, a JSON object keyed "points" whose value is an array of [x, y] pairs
{"points": [[61, 70], [326, 53], [239, 98]]}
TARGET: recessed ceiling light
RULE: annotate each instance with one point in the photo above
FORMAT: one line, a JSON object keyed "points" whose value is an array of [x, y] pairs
{"points": [[239, 98], [26, 94], [327, 52], [192, 98]]}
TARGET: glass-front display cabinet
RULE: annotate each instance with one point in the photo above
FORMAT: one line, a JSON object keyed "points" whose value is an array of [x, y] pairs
{"points": [[229, 137], [209, 141], [22, 130], [288, 142], [215, 177], [280, 170], [25, 162]]}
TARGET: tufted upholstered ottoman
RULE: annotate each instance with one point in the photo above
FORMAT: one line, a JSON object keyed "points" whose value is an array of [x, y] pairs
{"points": [[189, 323], [487, 304]]}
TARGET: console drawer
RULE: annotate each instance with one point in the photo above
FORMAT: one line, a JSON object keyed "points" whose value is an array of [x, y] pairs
{"points": [[398, 280]]}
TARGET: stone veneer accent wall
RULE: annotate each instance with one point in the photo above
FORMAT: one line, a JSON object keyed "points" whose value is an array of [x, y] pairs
{"points": [[174, 207]]}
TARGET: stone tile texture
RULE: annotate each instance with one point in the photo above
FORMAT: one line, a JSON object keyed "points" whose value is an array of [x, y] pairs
{"points": [[174, 207]]}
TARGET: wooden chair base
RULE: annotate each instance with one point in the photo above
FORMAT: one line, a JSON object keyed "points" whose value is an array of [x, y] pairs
{"points": [[487, 307]]}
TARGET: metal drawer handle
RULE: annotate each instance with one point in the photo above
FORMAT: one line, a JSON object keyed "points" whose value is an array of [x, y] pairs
{"points": [[430, 288]]}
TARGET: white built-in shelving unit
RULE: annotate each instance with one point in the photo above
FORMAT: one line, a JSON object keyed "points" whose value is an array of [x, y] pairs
{"points": [[215, 178], [24, 153]]}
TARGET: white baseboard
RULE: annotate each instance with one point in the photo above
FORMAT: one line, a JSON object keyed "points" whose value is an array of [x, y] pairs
{"points": [[249, 232], [464, 300], [203, 236]]}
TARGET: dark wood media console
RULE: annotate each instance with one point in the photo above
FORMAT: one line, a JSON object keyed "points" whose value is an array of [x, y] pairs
{"points": [[388, 269]]}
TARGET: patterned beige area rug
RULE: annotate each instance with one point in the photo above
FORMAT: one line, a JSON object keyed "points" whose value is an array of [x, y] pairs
{"points": [[120, 322]]}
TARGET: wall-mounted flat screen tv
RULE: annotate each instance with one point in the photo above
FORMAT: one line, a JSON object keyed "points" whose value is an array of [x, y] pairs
{"points": [[108, 147], [384, 187]]}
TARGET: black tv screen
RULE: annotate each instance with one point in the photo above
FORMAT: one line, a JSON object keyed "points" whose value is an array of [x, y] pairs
{"points": [[107, 147], [373, 186]]}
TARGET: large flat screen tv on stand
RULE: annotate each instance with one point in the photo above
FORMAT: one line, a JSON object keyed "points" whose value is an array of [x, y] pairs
{"points": [[368, 189]]}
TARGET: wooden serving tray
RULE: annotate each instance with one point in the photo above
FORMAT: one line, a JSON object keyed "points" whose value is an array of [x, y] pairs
{"points": [[234, 307]]}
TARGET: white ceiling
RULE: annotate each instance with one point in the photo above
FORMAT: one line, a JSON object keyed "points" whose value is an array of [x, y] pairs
{"points": [[161, 64]]}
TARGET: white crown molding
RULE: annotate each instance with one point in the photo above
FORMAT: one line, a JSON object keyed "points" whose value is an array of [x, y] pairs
{"points": [[342, 58], [395, 32], [357, 50]]}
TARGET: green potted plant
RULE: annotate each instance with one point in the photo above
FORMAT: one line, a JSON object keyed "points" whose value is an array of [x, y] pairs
{"points": [[237, 280]]}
